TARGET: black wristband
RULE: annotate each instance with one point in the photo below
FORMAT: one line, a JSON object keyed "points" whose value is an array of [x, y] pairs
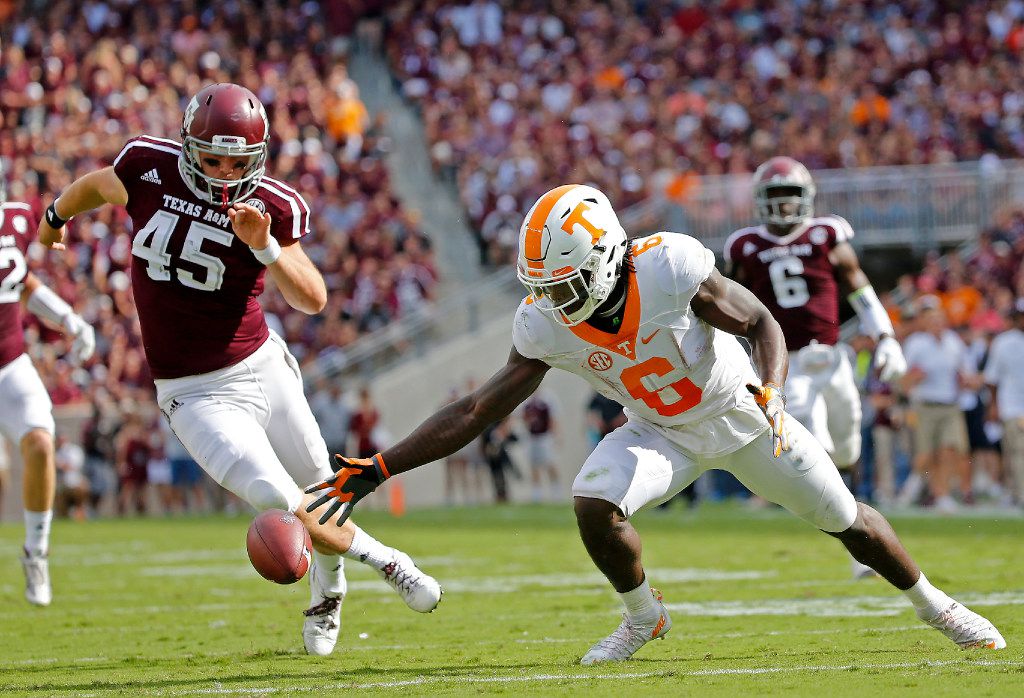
{"points": [[52, 219]]}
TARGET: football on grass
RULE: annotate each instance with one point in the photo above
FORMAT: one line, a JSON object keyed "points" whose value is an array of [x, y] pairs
{"points": [[279, 546]]}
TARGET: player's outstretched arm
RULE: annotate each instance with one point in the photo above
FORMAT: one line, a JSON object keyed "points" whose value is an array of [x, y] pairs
{"points": [[730, 307], [874, 320], [300, 282], [727, 305], [84, 194], [448, 430]]}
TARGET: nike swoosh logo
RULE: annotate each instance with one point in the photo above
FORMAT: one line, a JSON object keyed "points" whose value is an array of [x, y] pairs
{"points": [[645, 340]]}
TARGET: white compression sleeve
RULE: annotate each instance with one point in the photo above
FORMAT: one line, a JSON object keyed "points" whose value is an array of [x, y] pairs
{"points": [[45, 304], [874, 321]]}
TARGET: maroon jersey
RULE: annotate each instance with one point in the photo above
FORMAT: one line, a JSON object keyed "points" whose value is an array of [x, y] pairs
{"points": [[793, 276], [195, 283], [137, 453], [17, 223], [537, 416]]}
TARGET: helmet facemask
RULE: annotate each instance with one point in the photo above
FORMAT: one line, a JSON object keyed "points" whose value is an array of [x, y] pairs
{"points": [[571, 298], [784, 204], [224, 191]]}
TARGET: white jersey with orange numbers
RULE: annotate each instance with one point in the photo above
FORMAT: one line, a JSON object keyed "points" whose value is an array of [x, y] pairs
{"points": [[665, 365]]}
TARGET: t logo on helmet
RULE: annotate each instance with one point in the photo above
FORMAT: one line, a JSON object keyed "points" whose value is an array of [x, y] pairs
{"points": [[577, 218]]}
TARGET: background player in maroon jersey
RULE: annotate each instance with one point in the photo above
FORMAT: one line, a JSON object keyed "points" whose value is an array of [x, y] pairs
{"points": [[209, 223], [26, 417], [795, 263], [541, 427]]}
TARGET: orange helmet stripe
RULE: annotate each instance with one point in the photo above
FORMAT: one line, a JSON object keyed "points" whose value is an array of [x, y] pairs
{"points": [[535, 227]]}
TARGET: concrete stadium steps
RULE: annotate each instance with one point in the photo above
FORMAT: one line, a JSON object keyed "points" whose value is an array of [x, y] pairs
{"points": [[412, 176]]}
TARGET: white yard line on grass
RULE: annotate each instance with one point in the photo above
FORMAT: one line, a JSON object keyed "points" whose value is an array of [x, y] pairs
{"points": [[839, 606], [361, 647], [584, 676]]}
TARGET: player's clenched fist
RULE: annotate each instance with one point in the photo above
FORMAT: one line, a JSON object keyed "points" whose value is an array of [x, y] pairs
{"points": [[251, 225], [50, 236], [353, 479], [772, 401]]}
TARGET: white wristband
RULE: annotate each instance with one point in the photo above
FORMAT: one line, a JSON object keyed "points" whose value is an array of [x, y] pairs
{"points": [[874, 321], [269, 254], [46, 304]]}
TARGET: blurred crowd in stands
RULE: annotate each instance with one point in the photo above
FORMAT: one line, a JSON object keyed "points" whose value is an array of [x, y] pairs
{"points": [[641, 97], [78, 80]]}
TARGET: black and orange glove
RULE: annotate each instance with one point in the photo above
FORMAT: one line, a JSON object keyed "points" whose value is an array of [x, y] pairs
{"points": [[353, 479], [772, 401]]}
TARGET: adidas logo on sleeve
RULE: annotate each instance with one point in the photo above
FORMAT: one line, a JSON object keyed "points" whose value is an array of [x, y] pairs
{"points": [[151, 177]]}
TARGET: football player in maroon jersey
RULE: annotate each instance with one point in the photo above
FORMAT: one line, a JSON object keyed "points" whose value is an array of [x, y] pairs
{"points": [[796, 262], [26, 417], [209, 224]]}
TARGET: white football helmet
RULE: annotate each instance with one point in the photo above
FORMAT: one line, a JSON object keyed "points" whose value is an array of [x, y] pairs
{"points": [[571, 248], [783, 191]]}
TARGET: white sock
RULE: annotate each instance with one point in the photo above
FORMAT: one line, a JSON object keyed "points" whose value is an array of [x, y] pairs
{"points": [[369, 551], [928, 601], [639, 602], [330, 574], [37, 531]]}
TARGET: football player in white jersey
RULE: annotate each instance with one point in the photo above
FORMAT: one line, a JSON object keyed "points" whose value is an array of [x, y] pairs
{"points": [[650, 324]]}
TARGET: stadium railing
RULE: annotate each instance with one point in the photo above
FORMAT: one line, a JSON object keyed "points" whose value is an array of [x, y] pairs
{"points": [[922, 206]]}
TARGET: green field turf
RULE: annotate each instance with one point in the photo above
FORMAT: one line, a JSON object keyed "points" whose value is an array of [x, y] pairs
{"points": [[761, 604]]}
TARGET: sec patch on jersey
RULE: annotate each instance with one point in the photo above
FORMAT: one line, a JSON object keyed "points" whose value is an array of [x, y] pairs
{"points": [[279, 546]]}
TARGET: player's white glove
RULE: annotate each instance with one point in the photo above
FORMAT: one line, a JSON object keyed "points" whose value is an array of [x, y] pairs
{"points": [[83, 342], [889, 359], [772, 401]]}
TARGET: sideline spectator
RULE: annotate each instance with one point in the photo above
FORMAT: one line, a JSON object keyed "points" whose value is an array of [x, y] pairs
{"points": [[1004, 373], [332, 412], [462, 468], [538, 414], [187, 478], [604, 416], [72, 485], [939, 366], [134, 452], [496, 442], [364, 425]]}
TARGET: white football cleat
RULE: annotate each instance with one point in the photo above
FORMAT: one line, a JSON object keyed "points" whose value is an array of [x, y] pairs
{"points": [[323, 618], [629, 637], [37, 579], [967, 629], [419, 590]]}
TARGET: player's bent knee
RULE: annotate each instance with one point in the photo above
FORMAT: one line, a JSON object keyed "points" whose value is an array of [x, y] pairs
{"points": [[847, 451], [596, 513], [836, 513], [264, 494], [37, 444]]}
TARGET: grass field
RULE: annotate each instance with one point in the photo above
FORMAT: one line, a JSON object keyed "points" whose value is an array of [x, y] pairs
{"points": [[761, 604]]}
